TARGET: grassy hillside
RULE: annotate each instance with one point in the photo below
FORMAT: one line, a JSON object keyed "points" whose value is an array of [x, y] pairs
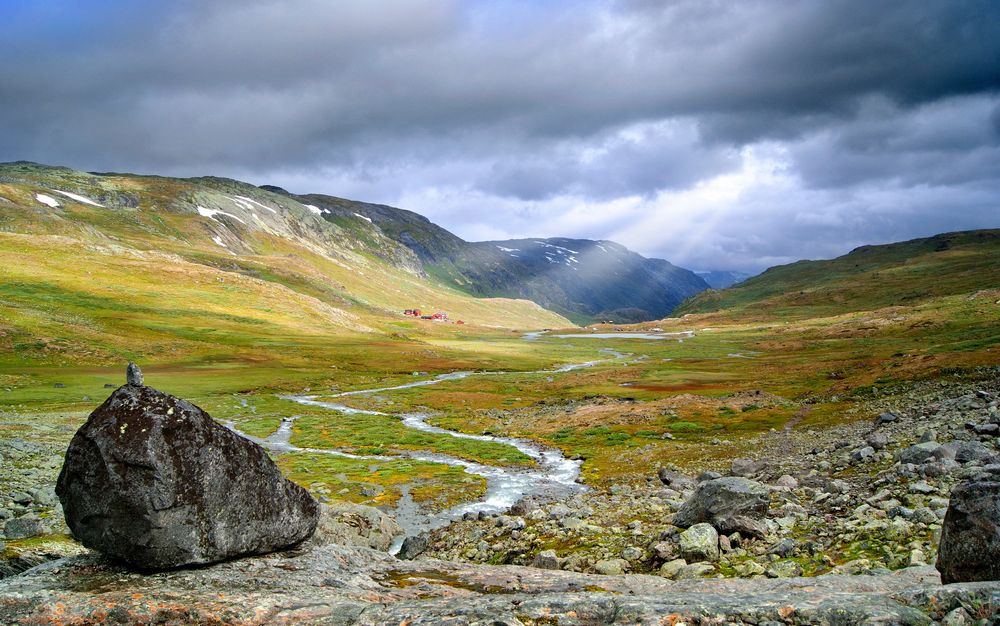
{"points": [[871, 277]]}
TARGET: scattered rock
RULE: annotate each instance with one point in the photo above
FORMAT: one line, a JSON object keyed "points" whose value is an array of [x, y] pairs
{"points": [[24, 528], [675, 480], [611, 567], [670, 569], [731, 504], [745, 467], [921, 453], [546, 559], [786, 481], [413, 547], [700, 543], [783, 569], [886, 418]]}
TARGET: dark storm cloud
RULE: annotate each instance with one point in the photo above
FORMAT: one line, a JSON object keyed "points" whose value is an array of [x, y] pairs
{"points": [[533, 108]]}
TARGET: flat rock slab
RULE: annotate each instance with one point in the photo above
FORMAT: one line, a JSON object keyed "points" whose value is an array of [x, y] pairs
{"points": [[344, 585]]}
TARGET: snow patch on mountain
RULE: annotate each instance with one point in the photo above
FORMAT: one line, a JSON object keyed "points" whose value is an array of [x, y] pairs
{"points": [[213, 212], [47, 200], [78, 198]]}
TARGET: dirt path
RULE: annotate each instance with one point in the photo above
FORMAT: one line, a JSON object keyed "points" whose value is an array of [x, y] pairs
{"points": [[798, 417]]}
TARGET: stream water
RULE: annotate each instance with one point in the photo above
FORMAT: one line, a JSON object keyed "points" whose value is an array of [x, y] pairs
{"points": [[552, 475]]}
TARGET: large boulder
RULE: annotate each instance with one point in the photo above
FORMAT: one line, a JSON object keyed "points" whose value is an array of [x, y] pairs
{"points": [[970, 538], [730, 504], [153, 480]]}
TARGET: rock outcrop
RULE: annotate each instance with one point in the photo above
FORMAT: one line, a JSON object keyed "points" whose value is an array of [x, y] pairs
{"points": [[348, 585], [731, 504], [153, 480], [970, 538], [349, 524]]}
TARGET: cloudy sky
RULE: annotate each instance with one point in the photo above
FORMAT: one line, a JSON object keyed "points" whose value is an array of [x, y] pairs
{"points": [[717, 135]]}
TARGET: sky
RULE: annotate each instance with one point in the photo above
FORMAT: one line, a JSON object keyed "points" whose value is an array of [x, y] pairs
{"points": [[716, 135]]}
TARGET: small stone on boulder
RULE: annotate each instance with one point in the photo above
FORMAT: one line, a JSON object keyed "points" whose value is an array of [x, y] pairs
{"points": [[133, 375]]}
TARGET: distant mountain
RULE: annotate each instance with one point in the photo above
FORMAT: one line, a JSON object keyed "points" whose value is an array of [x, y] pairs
{"points": [[581, 279], [867, 278], [720, 279]]}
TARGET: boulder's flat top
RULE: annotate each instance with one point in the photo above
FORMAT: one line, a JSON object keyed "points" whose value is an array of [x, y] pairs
{"points": [[345, 585]]}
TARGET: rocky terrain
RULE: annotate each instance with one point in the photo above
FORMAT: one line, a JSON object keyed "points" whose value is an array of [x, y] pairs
{"points": [[826, 526], [330, 584], [857, 498]]}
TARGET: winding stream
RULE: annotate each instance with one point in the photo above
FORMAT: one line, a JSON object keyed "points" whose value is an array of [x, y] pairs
{"points": [[553, 475]]}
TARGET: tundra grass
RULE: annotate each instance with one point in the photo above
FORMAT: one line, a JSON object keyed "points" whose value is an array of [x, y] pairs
{"points": [[432, 485]]}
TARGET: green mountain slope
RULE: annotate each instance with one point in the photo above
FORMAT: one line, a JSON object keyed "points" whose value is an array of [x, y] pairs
{"points": [[97, 268], [867, 278], [579, 278]]}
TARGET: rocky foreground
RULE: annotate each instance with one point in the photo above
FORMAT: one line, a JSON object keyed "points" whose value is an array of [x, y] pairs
{"points": [[858, 508], [867, 497], [331, 584]]}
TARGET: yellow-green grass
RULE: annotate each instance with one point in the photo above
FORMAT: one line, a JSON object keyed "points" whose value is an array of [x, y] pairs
{"points": [[871, 277], [433, 485]]}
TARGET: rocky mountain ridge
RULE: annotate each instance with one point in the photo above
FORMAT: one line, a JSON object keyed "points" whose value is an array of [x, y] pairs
{"points": [[579, 278]]}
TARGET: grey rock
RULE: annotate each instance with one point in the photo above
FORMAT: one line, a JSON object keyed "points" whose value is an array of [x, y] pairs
{"points": [[633, 554], [877, 440], [970, 537], [133, 375], [745, 467], [413, 547], [348, 524], [24, 528], [611, 567], [700, 543], [786, 481], [920, 453], [986, 429], [886, 418], [972, 451], [921, 487], [783, 548], [731, 504], [675, 480], [670, 569], [783, 569], [347, 585], [546, 559], [708, 475], [664, 550], [866, 453], [154, 481], [523, 506], [694, 571]]}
